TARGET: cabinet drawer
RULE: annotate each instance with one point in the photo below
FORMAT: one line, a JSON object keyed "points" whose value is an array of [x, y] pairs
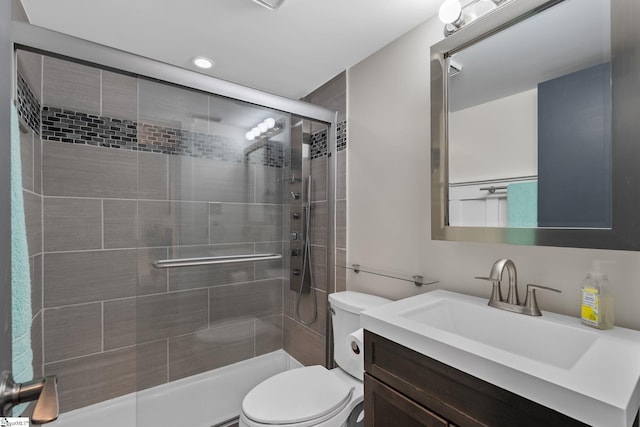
{"points": [[459, 397], [386, 407]]}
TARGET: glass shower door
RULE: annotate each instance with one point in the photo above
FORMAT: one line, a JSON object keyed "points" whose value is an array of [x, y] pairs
{"points": [[206, 191]]}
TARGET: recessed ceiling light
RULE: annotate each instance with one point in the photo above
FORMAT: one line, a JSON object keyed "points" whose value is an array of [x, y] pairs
{"points": [[270, 4], [202, 62]]}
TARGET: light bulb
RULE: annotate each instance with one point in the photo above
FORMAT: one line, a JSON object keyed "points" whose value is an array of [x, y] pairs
{"points": [[250, 136], [256, 132], [450, 11], [270, 122], [263, 127]]}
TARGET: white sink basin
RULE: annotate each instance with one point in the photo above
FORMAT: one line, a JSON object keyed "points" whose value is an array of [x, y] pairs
{"points": [[531, 337], [590, 375]]}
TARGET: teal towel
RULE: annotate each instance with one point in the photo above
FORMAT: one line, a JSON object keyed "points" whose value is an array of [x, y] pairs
{"points": [[522, 204], [20, 272]]}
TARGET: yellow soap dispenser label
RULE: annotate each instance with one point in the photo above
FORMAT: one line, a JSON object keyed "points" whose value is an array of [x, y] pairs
{"points": [[590, 306]]}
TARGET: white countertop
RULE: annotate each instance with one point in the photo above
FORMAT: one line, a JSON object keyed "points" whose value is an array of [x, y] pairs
{"points": [[599, 385]]}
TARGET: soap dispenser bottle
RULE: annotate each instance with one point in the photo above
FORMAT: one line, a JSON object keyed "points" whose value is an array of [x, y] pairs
{"points": [[597, 300]]}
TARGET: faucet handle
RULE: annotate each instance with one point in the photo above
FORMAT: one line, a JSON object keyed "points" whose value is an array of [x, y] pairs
{"points": [[531, 303], [496, 292]]}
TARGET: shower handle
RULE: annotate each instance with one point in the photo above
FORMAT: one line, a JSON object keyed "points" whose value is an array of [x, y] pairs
{"points": [[44, 390]]}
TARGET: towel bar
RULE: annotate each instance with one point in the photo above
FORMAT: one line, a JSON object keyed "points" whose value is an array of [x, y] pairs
{"points": [[226, 259]]}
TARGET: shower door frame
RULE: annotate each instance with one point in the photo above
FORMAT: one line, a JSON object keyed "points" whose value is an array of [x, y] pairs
{"points": [[6, 79], [43, 41]]}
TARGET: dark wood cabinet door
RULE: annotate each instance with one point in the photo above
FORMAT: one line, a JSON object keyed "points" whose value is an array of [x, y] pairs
{"points": [[386, 407]]}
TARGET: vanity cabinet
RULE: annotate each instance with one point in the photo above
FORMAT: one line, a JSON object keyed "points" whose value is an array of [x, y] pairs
{"points": [[405, 388]]}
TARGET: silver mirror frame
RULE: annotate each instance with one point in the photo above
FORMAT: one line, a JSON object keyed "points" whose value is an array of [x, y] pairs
{"points": [[625, 69]]}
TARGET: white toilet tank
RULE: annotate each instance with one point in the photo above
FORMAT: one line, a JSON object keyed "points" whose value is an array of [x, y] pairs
{"points": [[346, 308]]}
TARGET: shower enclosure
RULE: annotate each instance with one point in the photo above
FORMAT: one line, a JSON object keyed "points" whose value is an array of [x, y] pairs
{"points": [[133, 167]]}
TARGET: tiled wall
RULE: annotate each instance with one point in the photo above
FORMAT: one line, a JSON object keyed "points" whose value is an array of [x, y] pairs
{"points": [[100, 208], [307, 343]]}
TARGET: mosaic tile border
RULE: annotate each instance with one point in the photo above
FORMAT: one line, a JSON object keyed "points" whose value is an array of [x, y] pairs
{"points": [[61, 125], [341, 138], [319, 140], [28, 105], [67, 126], [80, 128]]}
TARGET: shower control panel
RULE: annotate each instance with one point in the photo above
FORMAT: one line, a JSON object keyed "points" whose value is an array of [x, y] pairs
{"points": [[297, 193]]}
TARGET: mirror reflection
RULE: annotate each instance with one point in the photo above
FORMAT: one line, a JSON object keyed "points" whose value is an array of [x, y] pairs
{"points": [[529, 123]]}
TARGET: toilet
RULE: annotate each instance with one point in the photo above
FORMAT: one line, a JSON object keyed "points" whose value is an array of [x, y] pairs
{"points": [[314, 395]]}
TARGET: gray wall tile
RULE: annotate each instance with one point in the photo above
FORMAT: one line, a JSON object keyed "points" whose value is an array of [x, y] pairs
{"points": [[232, 223], [30, 66], [269, 185], [319, 223], [37, 165], [36, 283], [152, 176], [319, 266], [217, 181], [92, 379], [120, 323], [210, 349], [26, 159], [72, 86], [210, 275], [319, 179], [119, 218], [302, 344], [341, 223], [341, 273], [246, 301], [150, 318], [36, 345], [270, 269], [119, 96], [72, 331], [86, 171], [341, 175], [78, 277], [172, 106], [72, 224], [307, 309], [180, 178], [151, 280], [172, 223], [269, 336], [33, 220], [331, 95]]}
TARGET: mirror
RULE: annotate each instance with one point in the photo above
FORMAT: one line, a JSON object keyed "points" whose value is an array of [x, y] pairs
{"points": [[531, 131]]}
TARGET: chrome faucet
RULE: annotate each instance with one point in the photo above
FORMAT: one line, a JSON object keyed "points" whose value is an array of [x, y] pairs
{"points": [[512, 303]]}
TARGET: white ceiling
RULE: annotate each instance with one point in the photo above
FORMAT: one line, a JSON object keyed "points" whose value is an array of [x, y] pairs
{"points": [[289, 52]]}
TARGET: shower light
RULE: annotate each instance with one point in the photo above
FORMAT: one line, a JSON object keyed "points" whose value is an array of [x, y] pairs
{"points": [[270, 122], [450, 12], [265, 129], [202, 62], [454, 15]]}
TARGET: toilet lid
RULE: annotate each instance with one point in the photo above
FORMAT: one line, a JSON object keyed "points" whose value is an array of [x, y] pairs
{"points": [[296, 396]]}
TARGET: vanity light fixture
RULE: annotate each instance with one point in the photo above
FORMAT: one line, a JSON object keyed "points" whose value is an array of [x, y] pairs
{"points": [[265, 129], [454, 15], [202, 62]]}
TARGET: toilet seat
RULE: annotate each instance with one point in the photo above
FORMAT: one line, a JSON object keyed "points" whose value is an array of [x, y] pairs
{"points": [[303, 396]]}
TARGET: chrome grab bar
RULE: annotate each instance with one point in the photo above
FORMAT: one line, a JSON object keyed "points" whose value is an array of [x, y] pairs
{"points": [[225, 259]]}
